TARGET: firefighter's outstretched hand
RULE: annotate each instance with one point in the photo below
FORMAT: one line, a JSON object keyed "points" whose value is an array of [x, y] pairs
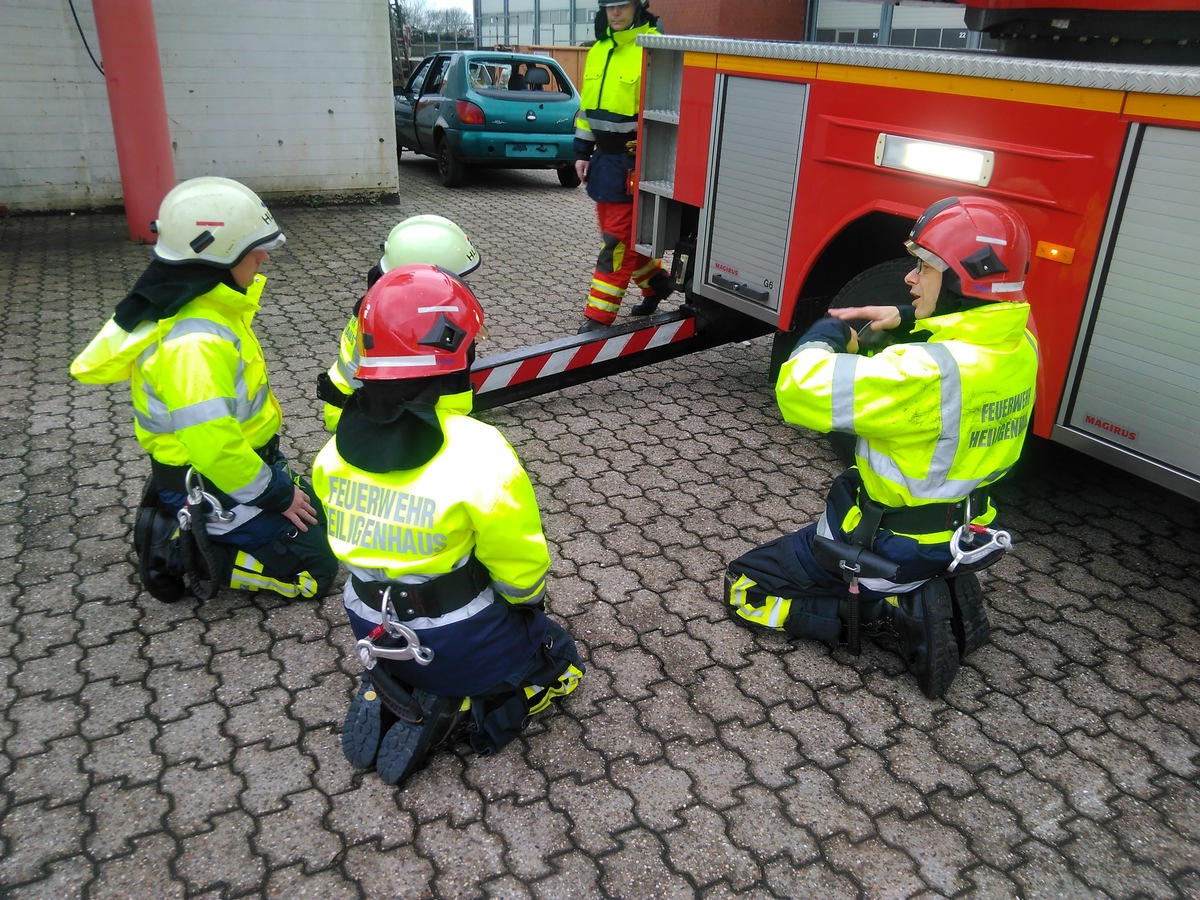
{"points": [[301, 513], [879, 318]]}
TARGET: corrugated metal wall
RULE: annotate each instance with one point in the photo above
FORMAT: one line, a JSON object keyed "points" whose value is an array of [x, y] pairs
{"points": [[289, 96]]}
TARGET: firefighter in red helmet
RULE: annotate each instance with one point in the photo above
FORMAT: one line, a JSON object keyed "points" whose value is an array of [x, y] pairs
{"points": [[939, 417], [438, 525]]}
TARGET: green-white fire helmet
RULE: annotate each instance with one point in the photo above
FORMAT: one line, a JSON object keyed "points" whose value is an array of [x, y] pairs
{"points": [[215, 221], [433, 240]]}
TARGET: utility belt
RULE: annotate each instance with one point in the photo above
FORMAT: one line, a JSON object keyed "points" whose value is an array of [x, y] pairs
{"points": [[613, 141], [928, 519], [430, 599], [171, 478]]}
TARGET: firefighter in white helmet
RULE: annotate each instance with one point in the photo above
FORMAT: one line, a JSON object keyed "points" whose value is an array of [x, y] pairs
{"points": [[939, 417], [202, 402], [437, 522], [430, 239]]}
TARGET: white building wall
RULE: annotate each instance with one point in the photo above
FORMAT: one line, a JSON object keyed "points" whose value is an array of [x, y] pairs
{"points": [[851, 15], [929, 17], [548, 24], [292, 97]]}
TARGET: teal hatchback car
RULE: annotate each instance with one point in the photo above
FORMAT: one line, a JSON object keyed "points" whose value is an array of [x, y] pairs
{"points": [[482, 108]]}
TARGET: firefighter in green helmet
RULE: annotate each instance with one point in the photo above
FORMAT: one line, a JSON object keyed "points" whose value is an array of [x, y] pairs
{"points": [[425, 238]]}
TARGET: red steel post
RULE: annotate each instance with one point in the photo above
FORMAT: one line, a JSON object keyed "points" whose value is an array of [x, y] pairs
{"points": [[129, 53]]}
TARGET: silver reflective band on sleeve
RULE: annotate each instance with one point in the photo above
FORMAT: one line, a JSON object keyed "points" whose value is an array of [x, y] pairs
{"points": [[842, 396], [524, 595], [158, 419], [203, 412], [257, 485]]}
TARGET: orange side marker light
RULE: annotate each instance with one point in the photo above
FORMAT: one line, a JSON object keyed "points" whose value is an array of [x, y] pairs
{"points": [[1055, 252]]}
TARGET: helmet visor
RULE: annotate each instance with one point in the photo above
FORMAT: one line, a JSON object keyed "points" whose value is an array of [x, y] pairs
{"points": [[925, 256]]}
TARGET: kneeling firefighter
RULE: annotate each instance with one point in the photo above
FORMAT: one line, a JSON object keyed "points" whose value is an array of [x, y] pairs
{"points": [[437, 522], [429, 239], [204, 410], [939, 417]]}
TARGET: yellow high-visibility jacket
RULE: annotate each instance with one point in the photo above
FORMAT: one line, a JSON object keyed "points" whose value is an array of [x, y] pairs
{"points": [[473, 496], [934, 420], [199, 384], [611, 93]]}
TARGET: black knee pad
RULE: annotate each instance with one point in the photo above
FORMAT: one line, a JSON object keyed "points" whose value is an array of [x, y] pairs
{"points": [[156, 542]]}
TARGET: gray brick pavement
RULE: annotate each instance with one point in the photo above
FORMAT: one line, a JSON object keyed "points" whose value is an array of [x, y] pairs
{"points": [[187, 750]]}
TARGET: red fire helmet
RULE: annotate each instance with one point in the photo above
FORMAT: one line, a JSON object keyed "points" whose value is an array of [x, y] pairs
{"points": [[982, 241], [416, 321]]}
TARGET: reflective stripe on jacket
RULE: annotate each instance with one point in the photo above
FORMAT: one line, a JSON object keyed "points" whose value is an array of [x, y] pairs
{"points": [[341, 373], [934, 420], [199, 383], [473, 495]]}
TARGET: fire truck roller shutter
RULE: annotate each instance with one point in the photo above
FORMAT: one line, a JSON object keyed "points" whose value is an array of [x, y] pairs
{"points": [[880, 285]]}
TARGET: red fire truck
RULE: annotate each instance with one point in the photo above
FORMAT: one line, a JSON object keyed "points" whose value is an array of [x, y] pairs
{"points": [[783, 177]]}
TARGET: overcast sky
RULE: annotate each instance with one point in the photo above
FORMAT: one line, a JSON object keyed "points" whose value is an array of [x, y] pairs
{"points": [[447, 4]]}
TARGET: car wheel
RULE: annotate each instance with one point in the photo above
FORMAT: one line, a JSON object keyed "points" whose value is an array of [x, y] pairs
{"points": [[568, 177], [449, 168]]}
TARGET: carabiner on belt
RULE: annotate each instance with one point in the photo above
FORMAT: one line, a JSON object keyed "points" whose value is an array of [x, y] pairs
{"points": [[413, 649], [196, 497]]}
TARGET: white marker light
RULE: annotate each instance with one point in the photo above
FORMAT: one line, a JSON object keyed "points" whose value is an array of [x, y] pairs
{"points": [[949, 161]]}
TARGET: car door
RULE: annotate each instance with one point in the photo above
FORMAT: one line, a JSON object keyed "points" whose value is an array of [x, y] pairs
{"points": [[406, 107], [430, 101]]}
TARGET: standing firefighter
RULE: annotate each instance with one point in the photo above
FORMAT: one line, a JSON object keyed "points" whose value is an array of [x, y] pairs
{"points": [[938, 418], [605, 148], [204, 409], [429, 239], [438, 524]]}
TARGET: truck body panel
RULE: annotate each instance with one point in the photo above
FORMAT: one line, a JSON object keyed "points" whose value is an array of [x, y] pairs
{"points": [[784, 156]]}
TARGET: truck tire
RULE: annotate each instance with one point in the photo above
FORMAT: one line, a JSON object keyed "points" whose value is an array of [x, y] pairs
{"points": [[450, 170], [880, 285]]}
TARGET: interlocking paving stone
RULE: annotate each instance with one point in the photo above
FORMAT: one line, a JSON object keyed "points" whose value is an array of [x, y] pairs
{"points": [[192, 750]]}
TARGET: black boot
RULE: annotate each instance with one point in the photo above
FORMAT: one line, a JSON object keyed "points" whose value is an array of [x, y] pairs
{"points": [[420, 722], [661, 288], [970, 619], [590, 325], [406, 746], [922, 623]]}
